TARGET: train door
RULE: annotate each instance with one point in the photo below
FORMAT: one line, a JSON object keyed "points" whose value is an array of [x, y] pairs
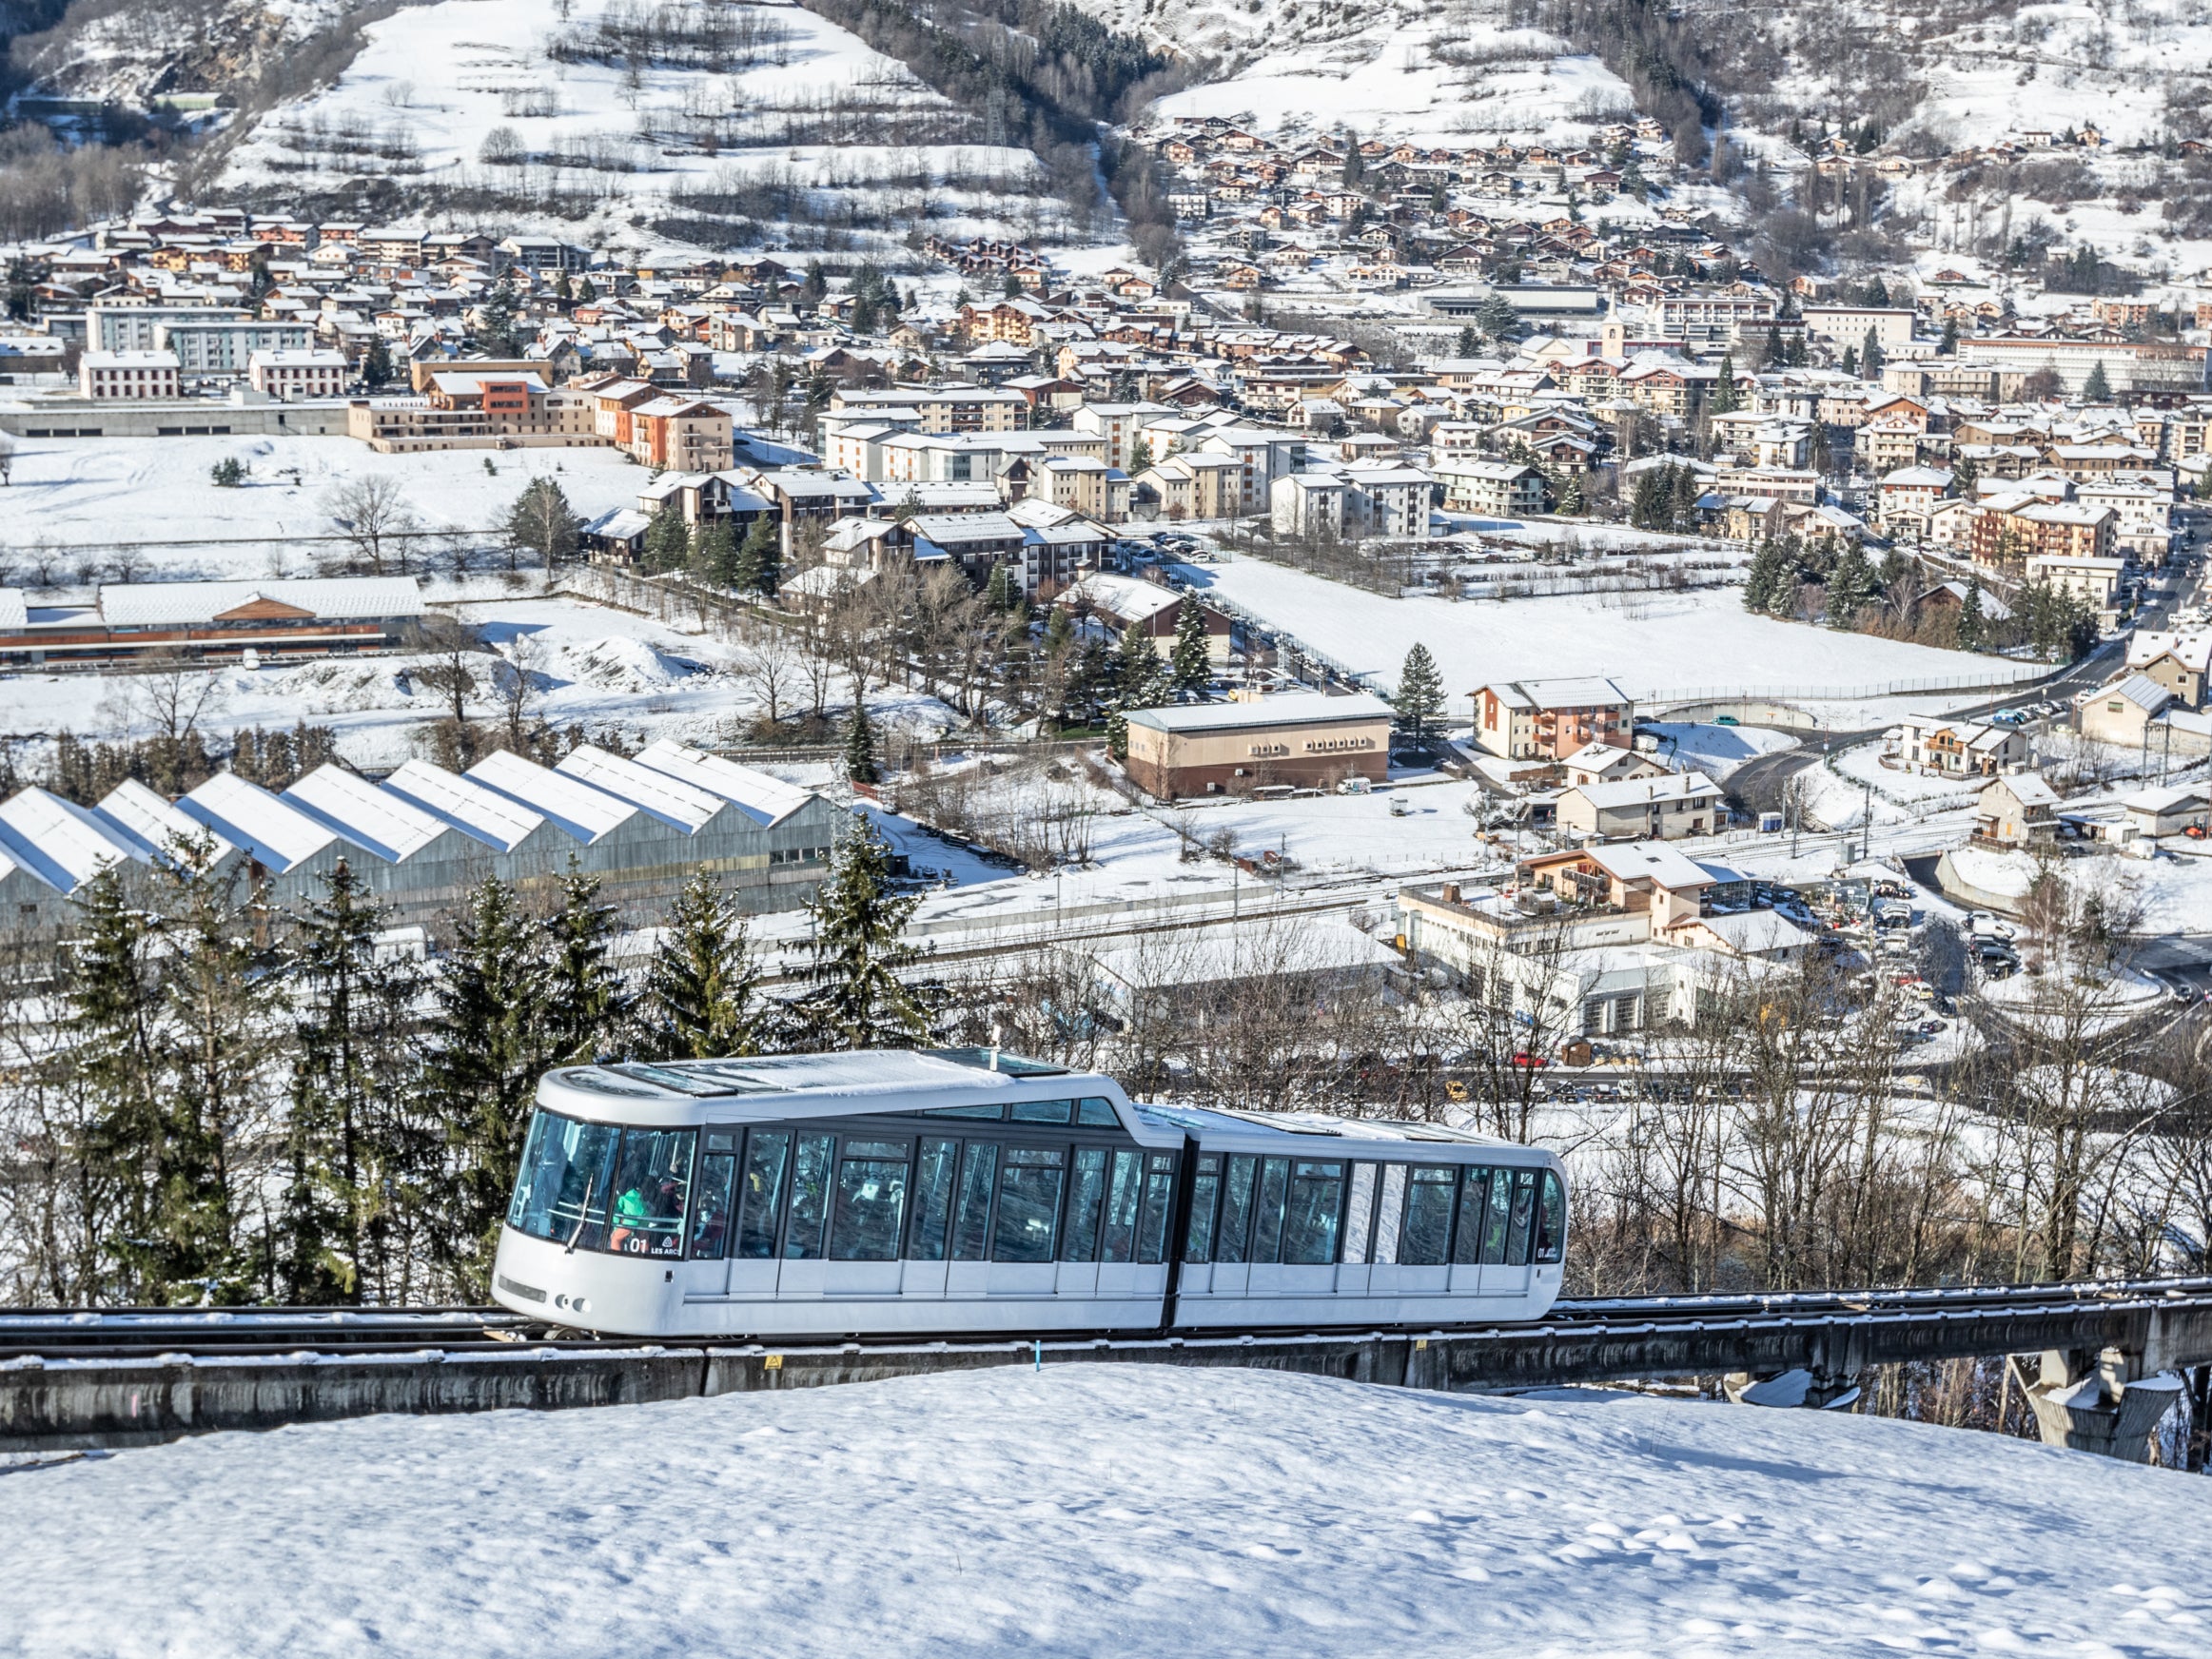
{"points": [[1508, 1229], [763, 1174], [706, 1269]]}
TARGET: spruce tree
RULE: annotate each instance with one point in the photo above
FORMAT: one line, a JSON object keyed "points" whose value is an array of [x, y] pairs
{"points": [[763, 555], [668, 541], [487, 1045], [1974, 625], [1849, 586], [110, 999], [1871, 357], [1726, 399], [1684, 493], [1949, 345], [356, 1151], [1419, 702], [2097, 388], [856, 953], [714, 555], [1000, 592], [1138, 674], [700, 985], [1191, 664], [587, 1008], [220, 1012], [860, 763], [1470, 343]]}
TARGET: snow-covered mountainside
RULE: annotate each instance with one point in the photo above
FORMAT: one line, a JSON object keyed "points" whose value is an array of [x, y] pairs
{"points": [[1433, 71], [607, 114], [1106, 1509]]}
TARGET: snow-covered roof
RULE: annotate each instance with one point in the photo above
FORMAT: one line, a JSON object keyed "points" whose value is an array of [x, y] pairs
{"points": [[765, 799], [14, 612], [278, 834], [170, 604], [151, 823], [669, 799], [495, 819], [388, 825], [61, 843], [585, 812], [1674, 786], [1297, 708], [2027, 789], [1757, 933], [1653, 861], [1127, 597]]}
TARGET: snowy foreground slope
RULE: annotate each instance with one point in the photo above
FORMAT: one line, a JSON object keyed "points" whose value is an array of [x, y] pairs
{"points": [[1108, 1511]]}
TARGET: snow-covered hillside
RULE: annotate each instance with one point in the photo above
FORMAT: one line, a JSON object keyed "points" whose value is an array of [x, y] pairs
{"points": [[607, 121], [1106, 1509], [1433, 71]]}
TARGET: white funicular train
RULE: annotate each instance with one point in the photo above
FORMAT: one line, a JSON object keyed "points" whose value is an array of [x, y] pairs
{"points": [[966, 1191]]}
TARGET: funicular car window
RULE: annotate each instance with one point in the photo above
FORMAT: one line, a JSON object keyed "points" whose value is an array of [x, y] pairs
{"points": [[1097, 1114], [871, 1200], [1312, 1213], [711, 1210], [1500, 1208], [993, 1112], [1359, 1212], [562, 1193], [1474, 1207], [1204, 1195], [651, 1188], [1427, 1233], [1237, 1209], [760, 1194], [1525, 1203], [1550, 1219], [1028, 1204], [809, 1200], [1389, 1213], [1123, 1193], [978, 1175], [1085, 1200], [932, 1200], [1043, 1111], [1267, 1214], [1158, 1201]]}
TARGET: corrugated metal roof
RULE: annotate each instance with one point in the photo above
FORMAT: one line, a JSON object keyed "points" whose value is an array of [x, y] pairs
{"points": [[388, 825], [61, 843], [583, 811], [672, 801], [278, 834], [157, 604], [765, 799], [484, 814], [152, 823]]}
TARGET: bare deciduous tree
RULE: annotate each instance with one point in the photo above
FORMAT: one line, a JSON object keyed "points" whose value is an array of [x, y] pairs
{"points": [[374, 515]]}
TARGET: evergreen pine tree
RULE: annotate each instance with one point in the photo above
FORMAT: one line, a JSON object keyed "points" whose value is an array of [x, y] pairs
{"points": [[1470, 343], [714, 555], [999, 592], [857, 952], [587, 1009], [1117, 732], [764, 551], [112, 1022], [1140, 671], [700, 985], [668, 541], [1190, 663], [1725, 398], [1949, 345], [2097, 388], [1974, 625], [487, 1045], [1760, 579], [1870, 356], [1849, 586], [1966, 475], [220, 1013], [860, 763], [1682, 506], [1776, 354], [1419, 702], [1850, 360], [760, 535], [375, 362], [353, 1146]]}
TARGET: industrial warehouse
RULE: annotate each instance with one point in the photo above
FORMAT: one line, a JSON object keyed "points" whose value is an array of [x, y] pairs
{"points": [[420, 839]]}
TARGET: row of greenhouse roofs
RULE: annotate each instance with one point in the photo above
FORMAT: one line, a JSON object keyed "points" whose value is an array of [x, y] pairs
{"points": [[422, 837]]}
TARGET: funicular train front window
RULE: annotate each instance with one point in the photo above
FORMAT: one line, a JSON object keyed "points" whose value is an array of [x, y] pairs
{"points": [[593, 1186]]}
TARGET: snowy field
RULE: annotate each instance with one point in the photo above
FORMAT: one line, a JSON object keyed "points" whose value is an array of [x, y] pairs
{"points": [[1109, 1510], [74, 501], [1715, 751], [1651, 643]]}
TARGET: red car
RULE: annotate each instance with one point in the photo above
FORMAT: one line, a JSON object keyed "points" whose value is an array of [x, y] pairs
{"points": [[1530, 1061]]}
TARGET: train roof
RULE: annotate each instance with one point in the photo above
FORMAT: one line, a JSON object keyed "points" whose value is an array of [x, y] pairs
{"points": [[768, 1087]]}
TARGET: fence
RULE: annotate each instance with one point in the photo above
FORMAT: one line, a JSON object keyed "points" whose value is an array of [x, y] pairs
{"points": [[2022, 673]]}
